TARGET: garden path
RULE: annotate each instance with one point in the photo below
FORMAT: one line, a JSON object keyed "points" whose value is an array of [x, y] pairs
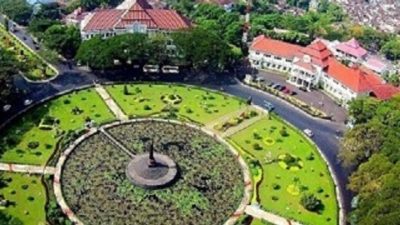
{"points": [[117, 143], [256, 212], [226, 117], [26, 168], [233, 130], [112, 105]]}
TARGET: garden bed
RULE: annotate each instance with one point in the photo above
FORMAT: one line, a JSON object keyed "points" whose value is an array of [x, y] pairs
{"points": [[208, 190], [291, 168]]}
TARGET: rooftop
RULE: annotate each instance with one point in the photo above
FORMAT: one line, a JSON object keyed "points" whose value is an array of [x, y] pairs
{"points": [[352, 47], [274, 47], [136, 11]]}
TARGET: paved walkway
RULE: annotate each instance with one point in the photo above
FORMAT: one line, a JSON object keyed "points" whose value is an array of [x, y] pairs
{"points": [[226, 117], [272, 218], [242, 125], [115, 109], [26, 168], [117, 143]]}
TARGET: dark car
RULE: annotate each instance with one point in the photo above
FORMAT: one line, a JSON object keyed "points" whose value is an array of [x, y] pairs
{"points": [[281, 88], [276, 86]]}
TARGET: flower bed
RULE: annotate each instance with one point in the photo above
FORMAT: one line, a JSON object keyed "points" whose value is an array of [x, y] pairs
{"points": [[208, 190]]}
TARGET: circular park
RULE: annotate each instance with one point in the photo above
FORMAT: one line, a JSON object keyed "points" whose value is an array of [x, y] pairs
{"points": [[147, 153]]}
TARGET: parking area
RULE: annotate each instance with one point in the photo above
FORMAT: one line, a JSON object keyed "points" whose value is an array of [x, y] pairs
{"points": [[314, 98]]}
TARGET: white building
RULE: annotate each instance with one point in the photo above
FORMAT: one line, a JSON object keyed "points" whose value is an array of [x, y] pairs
{"points": [[315, 66]]}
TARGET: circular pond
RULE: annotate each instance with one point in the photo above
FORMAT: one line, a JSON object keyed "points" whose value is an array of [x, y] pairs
{"points": [[207, 189]]}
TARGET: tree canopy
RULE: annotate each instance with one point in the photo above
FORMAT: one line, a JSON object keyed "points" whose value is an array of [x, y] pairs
{"points": [[63, 39], [18, 10], [9, 66], [371, 147]]}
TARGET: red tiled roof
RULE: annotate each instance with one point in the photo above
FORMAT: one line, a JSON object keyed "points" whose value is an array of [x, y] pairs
{"points": [[140, 12], [274, 47], [318, 52], [354, 78], [168, 19], [385, 91], [104, 19]]}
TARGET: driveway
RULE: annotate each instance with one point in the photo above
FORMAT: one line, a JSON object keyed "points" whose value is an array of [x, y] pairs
{"points": [[314, 98]]}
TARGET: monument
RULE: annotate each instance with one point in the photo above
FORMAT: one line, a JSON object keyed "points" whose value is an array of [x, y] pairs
{"points": [[151, 170]]}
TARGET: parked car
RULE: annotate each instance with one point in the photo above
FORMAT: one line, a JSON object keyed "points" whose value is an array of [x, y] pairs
{"points": [[308, 132], [276, 86], [6, 108], [269, 106], [281, 88], [270, 84], [303, 89]]}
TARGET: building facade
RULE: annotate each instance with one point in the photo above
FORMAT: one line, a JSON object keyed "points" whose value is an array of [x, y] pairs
{"points": [[131, 16], [314, 66]]}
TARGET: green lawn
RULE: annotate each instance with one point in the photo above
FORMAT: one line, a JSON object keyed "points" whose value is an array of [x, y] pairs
{"points": [[197, 104], [19, 190], [313, 177], [26, 129], [260, 222]]}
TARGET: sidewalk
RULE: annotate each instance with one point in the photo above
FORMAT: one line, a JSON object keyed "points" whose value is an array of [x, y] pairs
{"points": [[258, 213], [112, 105], [26, 168]]}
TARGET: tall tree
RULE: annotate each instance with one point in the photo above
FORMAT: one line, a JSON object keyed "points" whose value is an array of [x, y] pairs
{"points": [[64, 39]]}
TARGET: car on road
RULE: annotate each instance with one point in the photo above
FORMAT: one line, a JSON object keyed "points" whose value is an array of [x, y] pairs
{"points": [[308, 132], [269, 106], [27, 102], [6, 108]]}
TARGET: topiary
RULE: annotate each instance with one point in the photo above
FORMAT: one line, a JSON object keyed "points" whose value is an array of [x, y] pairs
{"points": [[311, 202], [33, 144]]}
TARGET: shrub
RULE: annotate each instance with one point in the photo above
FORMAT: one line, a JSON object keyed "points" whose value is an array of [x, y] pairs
{"points": [[310, 157], [283, 132], [67, 101], [257, 146], [276, 186], [33, 144], [25, 186], [275, 198], [126, 90], [146, 107], [256, 136], [31, 198], [311, 203]]}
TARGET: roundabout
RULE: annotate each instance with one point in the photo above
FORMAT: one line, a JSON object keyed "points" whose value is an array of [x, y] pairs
{"points": [[179, 177], [104, 172]]}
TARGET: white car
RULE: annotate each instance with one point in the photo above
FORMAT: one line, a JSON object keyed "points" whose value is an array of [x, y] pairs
{"points": [[27, 102], [308, 132], [6, 108]]}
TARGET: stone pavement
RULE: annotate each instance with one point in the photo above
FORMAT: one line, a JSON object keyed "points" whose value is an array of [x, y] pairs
{"points": [[112, 105], [256, 212], [31, 169]]}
